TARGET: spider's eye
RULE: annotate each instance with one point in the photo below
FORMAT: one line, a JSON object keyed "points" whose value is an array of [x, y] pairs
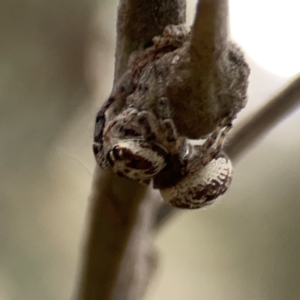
{"points": [[115, 154], [130, 132]]}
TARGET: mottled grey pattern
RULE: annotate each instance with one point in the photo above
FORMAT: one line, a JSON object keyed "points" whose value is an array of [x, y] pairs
{"points": [[202, 187]]}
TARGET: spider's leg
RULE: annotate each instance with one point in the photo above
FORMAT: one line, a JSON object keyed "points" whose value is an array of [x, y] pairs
{"points": [[209, 155], [211, 148], [165, 121], [216, 138], [148, 124], [214, 135], [156, 125], [173, 35], [200, 155], [119, 92], [219, 144], [100, 125], [160, 127], [212, 138], [163, 110]]}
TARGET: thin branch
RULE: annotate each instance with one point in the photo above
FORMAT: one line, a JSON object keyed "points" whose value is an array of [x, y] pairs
{"points": [[208, 42], [117, 262], [210, 78], [259, 123], [248, 134], [113, 212]]}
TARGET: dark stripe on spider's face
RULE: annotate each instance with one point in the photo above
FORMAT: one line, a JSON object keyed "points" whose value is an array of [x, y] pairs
{"points": [[131, 133], [131, 160], [97, 148], [98, 137], [155, 148], [100, 117]]}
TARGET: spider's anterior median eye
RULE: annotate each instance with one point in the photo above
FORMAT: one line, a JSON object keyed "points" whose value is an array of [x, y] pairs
{"points": [[131, 133], [116, 153]]}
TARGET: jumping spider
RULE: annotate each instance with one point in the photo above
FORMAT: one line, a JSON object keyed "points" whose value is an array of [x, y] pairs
{"points": [[141, 143]]}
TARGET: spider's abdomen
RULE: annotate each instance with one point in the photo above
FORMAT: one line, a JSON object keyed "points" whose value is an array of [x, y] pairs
{"points": [[200, 188], [137, 159]]}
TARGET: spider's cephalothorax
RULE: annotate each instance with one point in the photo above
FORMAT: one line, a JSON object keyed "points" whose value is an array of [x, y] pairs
{"points": [[132, 143], [140, 142], [125, 149], [127, 143]]}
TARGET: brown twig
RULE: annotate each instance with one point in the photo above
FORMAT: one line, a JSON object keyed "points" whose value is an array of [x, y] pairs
{"points": [[259, 123], [113, 211], [250, 133], [210, 78], [117, 260]]}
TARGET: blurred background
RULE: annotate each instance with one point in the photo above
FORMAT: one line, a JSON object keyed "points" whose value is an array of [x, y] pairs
{"points": [[56, 64]]}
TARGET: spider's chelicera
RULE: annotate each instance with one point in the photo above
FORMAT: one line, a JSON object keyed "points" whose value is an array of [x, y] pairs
{"points": [[142, 144]]}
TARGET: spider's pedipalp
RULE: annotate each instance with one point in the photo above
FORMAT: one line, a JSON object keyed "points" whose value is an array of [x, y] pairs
{"points": [[200, 188]]}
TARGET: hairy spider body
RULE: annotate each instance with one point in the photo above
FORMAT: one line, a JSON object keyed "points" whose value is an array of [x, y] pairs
{"points": [[140, 142]]}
